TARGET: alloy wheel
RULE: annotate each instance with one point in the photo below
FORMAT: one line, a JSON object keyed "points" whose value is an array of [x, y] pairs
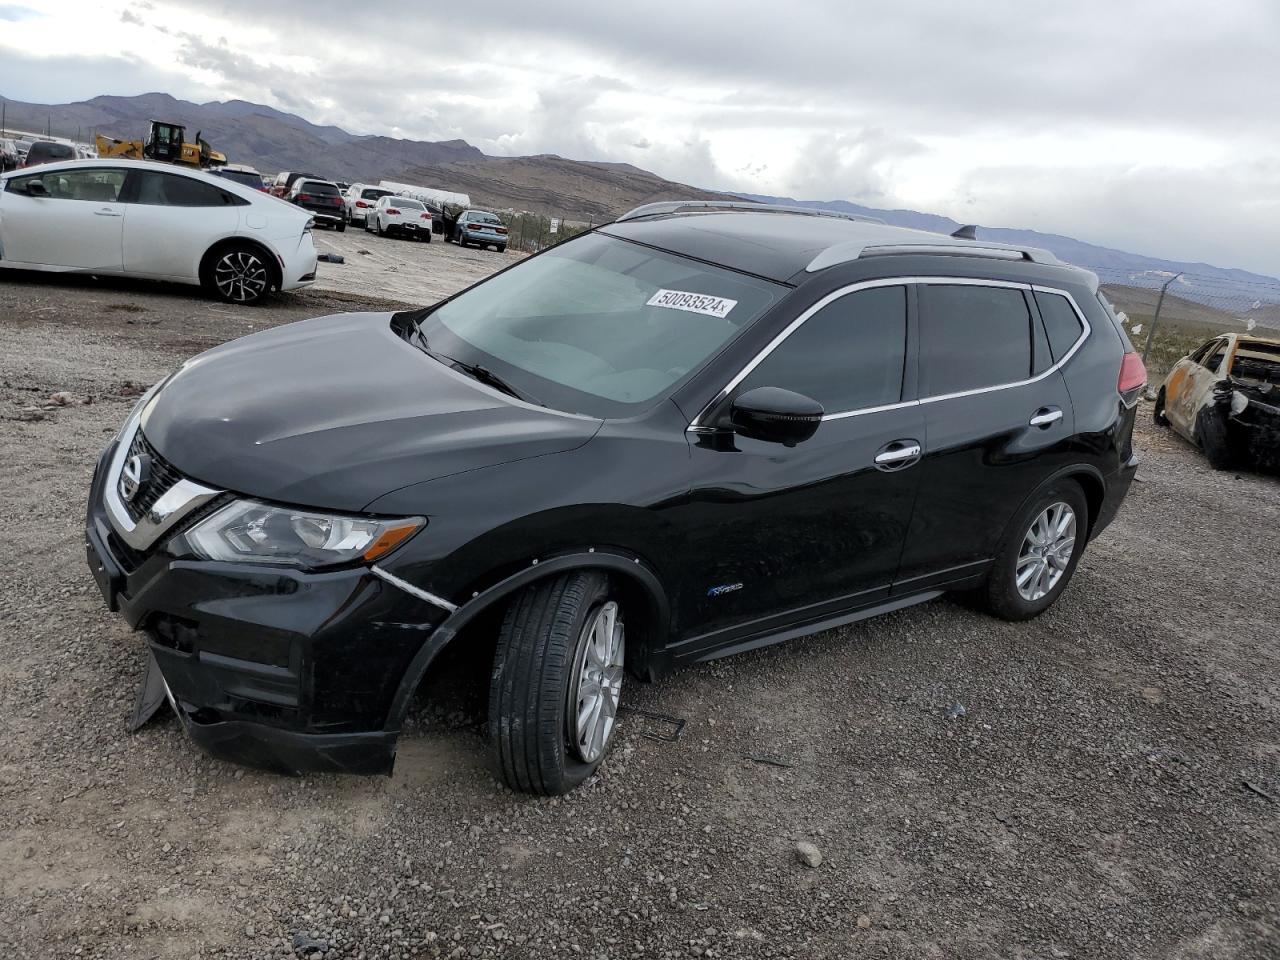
{"points": [[1046, 551], [240, 276], [598, 683]]}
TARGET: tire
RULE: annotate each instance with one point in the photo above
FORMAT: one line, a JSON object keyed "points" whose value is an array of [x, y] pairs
{"points": [[377, 227], [1158, 416], [342, 227], [538, 670], [428, 236], [239, 274], [501, 249], [1211, 434], [1002, 595]]}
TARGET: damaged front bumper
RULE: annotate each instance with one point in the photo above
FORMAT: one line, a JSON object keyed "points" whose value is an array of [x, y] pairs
{"points": [[285, 669]]}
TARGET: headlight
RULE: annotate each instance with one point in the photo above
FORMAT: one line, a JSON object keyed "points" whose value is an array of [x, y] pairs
{"points": [[261, 533]]}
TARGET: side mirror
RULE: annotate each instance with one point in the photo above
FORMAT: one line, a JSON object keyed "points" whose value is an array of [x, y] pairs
{"points": [[35, 188], [776, 415]]}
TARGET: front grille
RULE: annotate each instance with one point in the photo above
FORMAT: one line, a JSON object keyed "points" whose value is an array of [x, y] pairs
{"points": [[163, 476]]}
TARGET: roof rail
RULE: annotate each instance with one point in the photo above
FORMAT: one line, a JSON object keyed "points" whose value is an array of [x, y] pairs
{"points": [[674, 206], [857, 249]]}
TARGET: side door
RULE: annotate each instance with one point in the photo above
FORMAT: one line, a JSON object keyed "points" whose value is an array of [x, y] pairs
{"points": [[1207, 375], [998, 422], [172, 221], [1184, 385], [74, 219], [786, 534]]}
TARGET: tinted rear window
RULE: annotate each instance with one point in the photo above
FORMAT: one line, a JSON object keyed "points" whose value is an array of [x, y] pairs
{"points": [[406, 203], [483, 218], [374, 194], [973, 337], [240, 176], [52, 151], [1060, 323], [318, 189]]}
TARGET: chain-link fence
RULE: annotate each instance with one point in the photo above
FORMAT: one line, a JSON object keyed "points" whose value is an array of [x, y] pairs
{"points": [[1169, 314]]}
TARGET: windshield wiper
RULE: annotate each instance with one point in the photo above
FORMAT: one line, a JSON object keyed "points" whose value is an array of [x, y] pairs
{"points": [[485, 375], [475, 370]]}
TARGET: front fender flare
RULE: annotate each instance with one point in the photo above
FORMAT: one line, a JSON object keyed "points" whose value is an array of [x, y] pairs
{"points": [[616, 562]]}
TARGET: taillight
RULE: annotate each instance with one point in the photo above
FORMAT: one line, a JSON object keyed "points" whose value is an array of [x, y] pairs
{"points": [[426, 216], [501, 229], [474, 226], [393, 211], [361, 204], [304, 196], [1133, 377]]}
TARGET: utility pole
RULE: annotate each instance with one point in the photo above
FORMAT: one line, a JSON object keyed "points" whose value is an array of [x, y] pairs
{"points": [[1151, 334]]}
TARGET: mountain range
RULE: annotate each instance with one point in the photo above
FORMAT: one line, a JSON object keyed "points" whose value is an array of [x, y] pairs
{"points": [[587, 191]]}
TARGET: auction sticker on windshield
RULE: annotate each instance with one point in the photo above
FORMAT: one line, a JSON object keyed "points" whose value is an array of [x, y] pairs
{"points": [[692, 302]]}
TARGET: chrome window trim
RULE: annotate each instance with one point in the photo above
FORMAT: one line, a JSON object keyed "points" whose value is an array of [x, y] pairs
{"points": [[176, 503], [1086, 329]]}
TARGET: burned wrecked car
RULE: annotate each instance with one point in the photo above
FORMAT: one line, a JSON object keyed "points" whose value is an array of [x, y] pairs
{"points": [[1225, 397]]}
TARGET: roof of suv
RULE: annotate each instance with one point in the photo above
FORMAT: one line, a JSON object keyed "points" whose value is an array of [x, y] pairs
{"points": [[779, 243]]}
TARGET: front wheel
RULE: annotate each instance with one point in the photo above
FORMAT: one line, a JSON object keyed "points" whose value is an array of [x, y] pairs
{"points": [[557, 678], [1038, 554], [1214, 440]]}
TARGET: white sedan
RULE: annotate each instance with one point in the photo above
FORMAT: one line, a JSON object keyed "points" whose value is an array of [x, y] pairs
{"points": [[156, 221], [399, 216]]}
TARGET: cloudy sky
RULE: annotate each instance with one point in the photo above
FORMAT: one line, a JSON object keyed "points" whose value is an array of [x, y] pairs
{"points": [[1150, 125]]}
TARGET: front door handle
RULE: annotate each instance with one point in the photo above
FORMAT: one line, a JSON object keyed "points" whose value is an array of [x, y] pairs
{"points": [[898, 455], [1045, 417], [108, 212]]}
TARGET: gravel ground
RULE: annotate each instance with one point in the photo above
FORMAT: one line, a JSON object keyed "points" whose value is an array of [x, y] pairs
{"points": [[1101, 782]]}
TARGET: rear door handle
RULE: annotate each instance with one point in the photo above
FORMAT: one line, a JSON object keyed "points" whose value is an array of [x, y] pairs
{"points": [[898, 455], [1045, 417], [108, 212]]}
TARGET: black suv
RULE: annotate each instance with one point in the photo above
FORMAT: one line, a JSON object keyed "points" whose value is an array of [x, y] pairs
{"points": [[720, 427]]}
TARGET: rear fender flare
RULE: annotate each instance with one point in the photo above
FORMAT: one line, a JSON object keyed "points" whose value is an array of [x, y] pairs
{"points": [[1090, 479], [621, 565]]}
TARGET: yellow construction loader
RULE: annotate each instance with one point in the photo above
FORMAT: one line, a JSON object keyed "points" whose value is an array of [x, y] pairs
{"points": [[167, 143]]}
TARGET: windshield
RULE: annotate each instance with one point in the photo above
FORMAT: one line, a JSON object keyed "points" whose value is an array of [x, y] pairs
{"points": [[1257, 361], [598, 325]]}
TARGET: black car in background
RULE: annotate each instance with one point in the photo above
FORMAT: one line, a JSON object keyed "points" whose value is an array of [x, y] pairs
{"points": [[323, 199], [698, 430], [10, 157], [48, 151]]}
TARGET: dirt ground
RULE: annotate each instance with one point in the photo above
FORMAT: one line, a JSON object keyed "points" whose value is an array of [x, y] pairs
{"points": [[1101, 782]]}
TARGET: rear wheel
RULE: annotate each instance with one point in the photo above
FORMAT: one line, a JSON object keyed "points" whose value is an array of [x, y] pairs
{"points": [[341, 227], [238, 274], [1038, 554], [557, 678], [1158, 415]]}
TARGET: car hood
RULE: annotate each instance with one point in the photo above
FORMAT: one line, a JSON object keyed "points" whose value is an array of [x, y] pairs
{"points": [[338, 411]]}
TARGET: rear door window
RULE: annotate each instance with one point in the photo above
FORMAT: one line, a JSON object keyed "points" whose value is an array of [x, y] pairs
{"points": [[847, 356], [172, 190], [973, 337], [1061, 323]]}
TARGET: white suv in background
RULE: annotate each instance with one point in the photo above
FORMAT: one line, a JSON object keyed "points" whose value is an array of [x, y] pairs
{"points": [[360, 199], [156, 221], [400, 216]]}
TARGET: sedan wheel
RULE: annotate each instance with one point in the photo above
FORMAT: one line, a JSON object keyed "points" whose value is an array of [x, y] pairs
{"points": [[240, 275]]}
